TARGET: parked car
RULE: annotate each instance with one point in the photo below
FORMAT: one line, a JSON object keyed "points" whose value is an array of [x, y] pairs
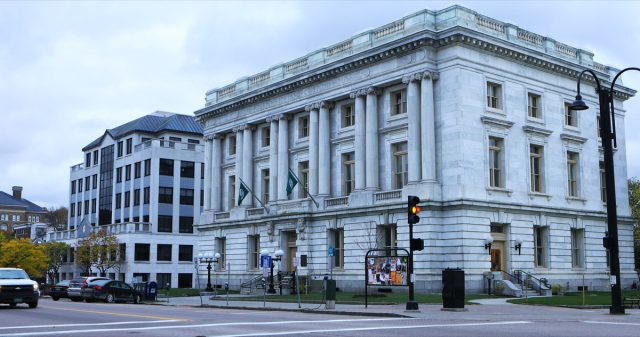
{"points": [[16, 287], [110, 291], [59, 290], [76, 284]]}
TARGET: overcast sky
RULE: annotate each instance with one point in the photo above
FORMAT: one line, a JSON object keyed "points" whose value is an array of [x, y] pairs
{"points": [[71, 70]]}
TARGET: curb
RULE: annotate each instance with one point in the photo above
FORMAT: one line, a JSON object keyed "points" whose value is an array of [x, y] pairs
{"points": [[306, 311]]}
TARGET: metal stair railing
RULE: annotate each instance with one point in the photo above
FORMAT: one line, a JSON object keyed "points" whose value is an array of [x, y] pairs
{"points": [[538, 284], [252, 284]]}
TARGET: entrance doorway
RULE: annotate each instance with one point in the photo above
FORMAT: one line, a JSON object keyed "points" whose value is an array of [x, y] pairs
{"points": [[291, 250], [497, 256]]}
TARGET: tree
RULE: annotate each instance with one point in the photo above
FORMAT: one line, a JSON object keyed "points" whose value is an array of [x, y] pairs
{"points": [[634, 203], [99, 250], [56, 252], [22, 253], [57, 218]]}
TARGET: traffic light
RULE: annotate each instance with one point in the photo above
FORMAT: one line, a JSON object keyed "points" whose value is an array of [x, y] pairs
{"points": [[417, 244], [413, 209]]}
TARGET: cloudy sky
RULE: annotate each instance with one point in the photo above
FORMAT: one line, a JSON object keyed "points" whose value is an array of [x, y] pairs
{"points": [[70, 70]]}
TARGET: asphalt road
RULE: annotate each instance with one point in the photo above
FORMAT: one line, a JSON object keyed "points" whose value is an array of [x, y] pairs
{"points": [[65, 318]]}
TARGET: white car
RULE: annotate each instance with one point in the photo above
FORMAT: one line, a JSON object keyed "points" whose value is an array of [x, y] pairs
{"points": [[16, 287]]}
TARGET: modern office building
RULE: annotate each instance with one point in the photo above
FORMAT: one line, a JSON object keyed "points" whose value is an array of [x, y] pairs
{"points": [[141, 181], [15, 210], [464, 111]]}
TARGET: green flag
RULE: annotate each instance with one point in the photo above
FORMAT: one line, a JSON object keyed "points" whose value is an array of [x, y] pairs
{"points": [[292, 181], [242, 193]]}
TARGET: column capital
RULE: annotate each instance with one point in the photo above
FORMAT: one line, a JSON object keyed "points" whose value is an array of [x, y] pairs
{"points": [[209, 137], [359, 92], [433, 75], [249, 127], [373, 91], [217, 136], [412, 77], [283, 116], [326, 104], [238, 128], [312, 106]]}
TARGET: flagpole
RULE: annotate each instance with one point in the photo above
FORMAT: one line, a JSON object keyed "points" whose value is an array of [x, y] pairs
{"points": [[305, 189], [253, 194]]}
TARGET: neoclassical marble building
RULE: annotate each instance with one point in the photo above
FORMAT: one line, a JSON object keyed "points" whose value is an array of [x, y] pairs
{"points": [[467, 112]]}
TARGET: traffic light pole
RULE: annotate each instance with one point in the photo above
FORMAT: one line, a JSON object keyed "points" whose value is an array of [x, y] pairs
{"points": [[411, 304]]}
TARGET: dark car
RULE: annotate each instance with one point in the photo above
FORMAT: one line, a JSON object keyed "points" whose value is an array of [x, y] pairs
{"points": [[59, 290], [110, 291], [76, 285]]}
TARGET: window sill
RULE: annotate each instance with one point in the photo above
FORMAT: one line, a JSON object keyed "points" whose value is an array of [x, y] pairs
{"points": [[533, 195], [164, 262], [576, 199], [571, 128], [535, 120], [185, 262], [500, 112], [499, 190], [144, 262]]}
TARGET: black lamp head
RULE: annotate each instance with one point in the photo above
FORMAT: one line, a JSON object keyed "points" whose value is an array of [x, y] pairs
{"points": [[578, 104]]}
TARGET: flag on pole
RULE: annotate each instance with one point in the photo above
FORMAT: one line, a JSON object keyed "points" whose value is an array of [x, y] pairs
{"points": [[292, 181], [242, 192]]}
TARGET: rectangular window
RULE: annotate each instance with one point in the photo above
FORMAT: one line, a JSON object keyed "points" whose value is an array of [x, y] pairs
{"points": [[533, 105], [93, 205], [142, 251], [253, 248], [540, 246], [387, 237], [187, 169], [79, 213], [136, 197], [185, 253], [201, 198], [166, 167], [303, 127], [164, 252], [95, 181], [186, 196], [336, 240], [535, 161], [87, 183], [165, 223], [120, 148], [86, 207], [264, 174], [87, 160], [572, 174], [72, 210], [129, 145], [127, 199], [348, 116], [494, 94], [147, 167], [221, 248], [303, 174], [165, 195], [119, 174], [570, 116], [73, 187], [185, 280], [577, 254], [266, 136], [232, 191], [186, 224], [603, 183], [127, 172], [496, 162], [79, 185], [118, 200], [348, 173], [231, 145], [398, 102], [137, 170], [164, 280], [122, 248], [400, 165], [146, 195], [95, 157]]}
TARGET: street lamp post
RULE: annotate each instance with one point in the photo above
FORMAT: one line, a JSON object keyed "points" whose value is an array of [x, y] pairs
{"points": [[608, 135], [278, 256], [208, 258]]}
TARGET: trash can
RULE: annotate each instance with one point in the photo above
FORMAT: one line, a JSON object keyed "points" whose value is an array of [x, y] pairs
{"points": [[152, 291], [453, 288], [330, 294]]}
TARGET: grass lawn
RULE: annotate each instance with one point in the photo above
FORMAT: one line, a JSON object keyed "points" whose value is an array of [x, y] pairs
{"points": [[182, 292], [576, 299]]}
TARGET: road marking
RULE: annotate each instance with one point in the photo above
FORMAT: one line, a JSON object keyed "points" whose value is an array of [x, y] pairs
{"points": [[84, 324], [43, 333], [120, 314], [612, 323]]}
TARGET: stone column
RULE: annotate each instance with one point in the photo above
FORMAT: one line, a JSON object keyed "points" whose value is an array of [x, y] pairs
{"points": [[239, 161], [372, 162], [283, 156], [359, 140], [216, 172], [324, 147], [247, 162], [208, 140], [273, 158], [428, 126], [413, 120], [313, 147]]}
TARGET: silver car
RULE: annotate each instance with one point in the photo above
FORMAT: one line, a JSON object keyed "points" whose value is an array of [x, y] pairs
{"points": [[76, 285]]}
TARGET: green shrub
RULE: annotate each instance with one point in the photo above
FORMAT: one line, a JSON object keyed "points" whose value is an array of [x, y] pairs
{"points": [[555, 289]]}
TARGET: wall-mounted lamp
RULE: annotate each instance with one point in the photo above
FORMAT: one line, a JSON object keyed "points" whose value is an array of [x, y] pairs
{"points": [[487, 243], [518, 245]]}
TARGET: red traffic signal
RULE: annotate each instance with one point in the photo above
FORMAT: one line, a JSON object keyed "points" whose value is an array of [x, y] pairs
{"points": [[413, 209]]}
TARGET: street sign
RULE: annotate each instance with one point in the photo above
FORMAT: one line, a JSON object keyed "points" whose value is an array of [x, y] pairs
{"points": [[265, 261], [330, 251]]}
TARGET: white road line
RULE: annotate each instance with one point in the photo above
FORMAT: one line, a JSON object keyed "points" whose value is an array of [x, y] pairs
{"points": [[612, 323], [84, 324], [375, 328], [44, 333]]}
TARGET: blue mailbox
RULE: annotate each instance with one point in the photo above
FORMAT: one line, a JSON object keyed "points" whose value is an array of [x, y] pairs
{"points": [[152, 290]]}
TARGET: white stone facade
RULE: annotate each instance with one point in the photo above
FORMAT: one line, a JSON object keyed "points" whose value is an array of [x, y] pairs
{"points": [[141, 218], [480, 134]]}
